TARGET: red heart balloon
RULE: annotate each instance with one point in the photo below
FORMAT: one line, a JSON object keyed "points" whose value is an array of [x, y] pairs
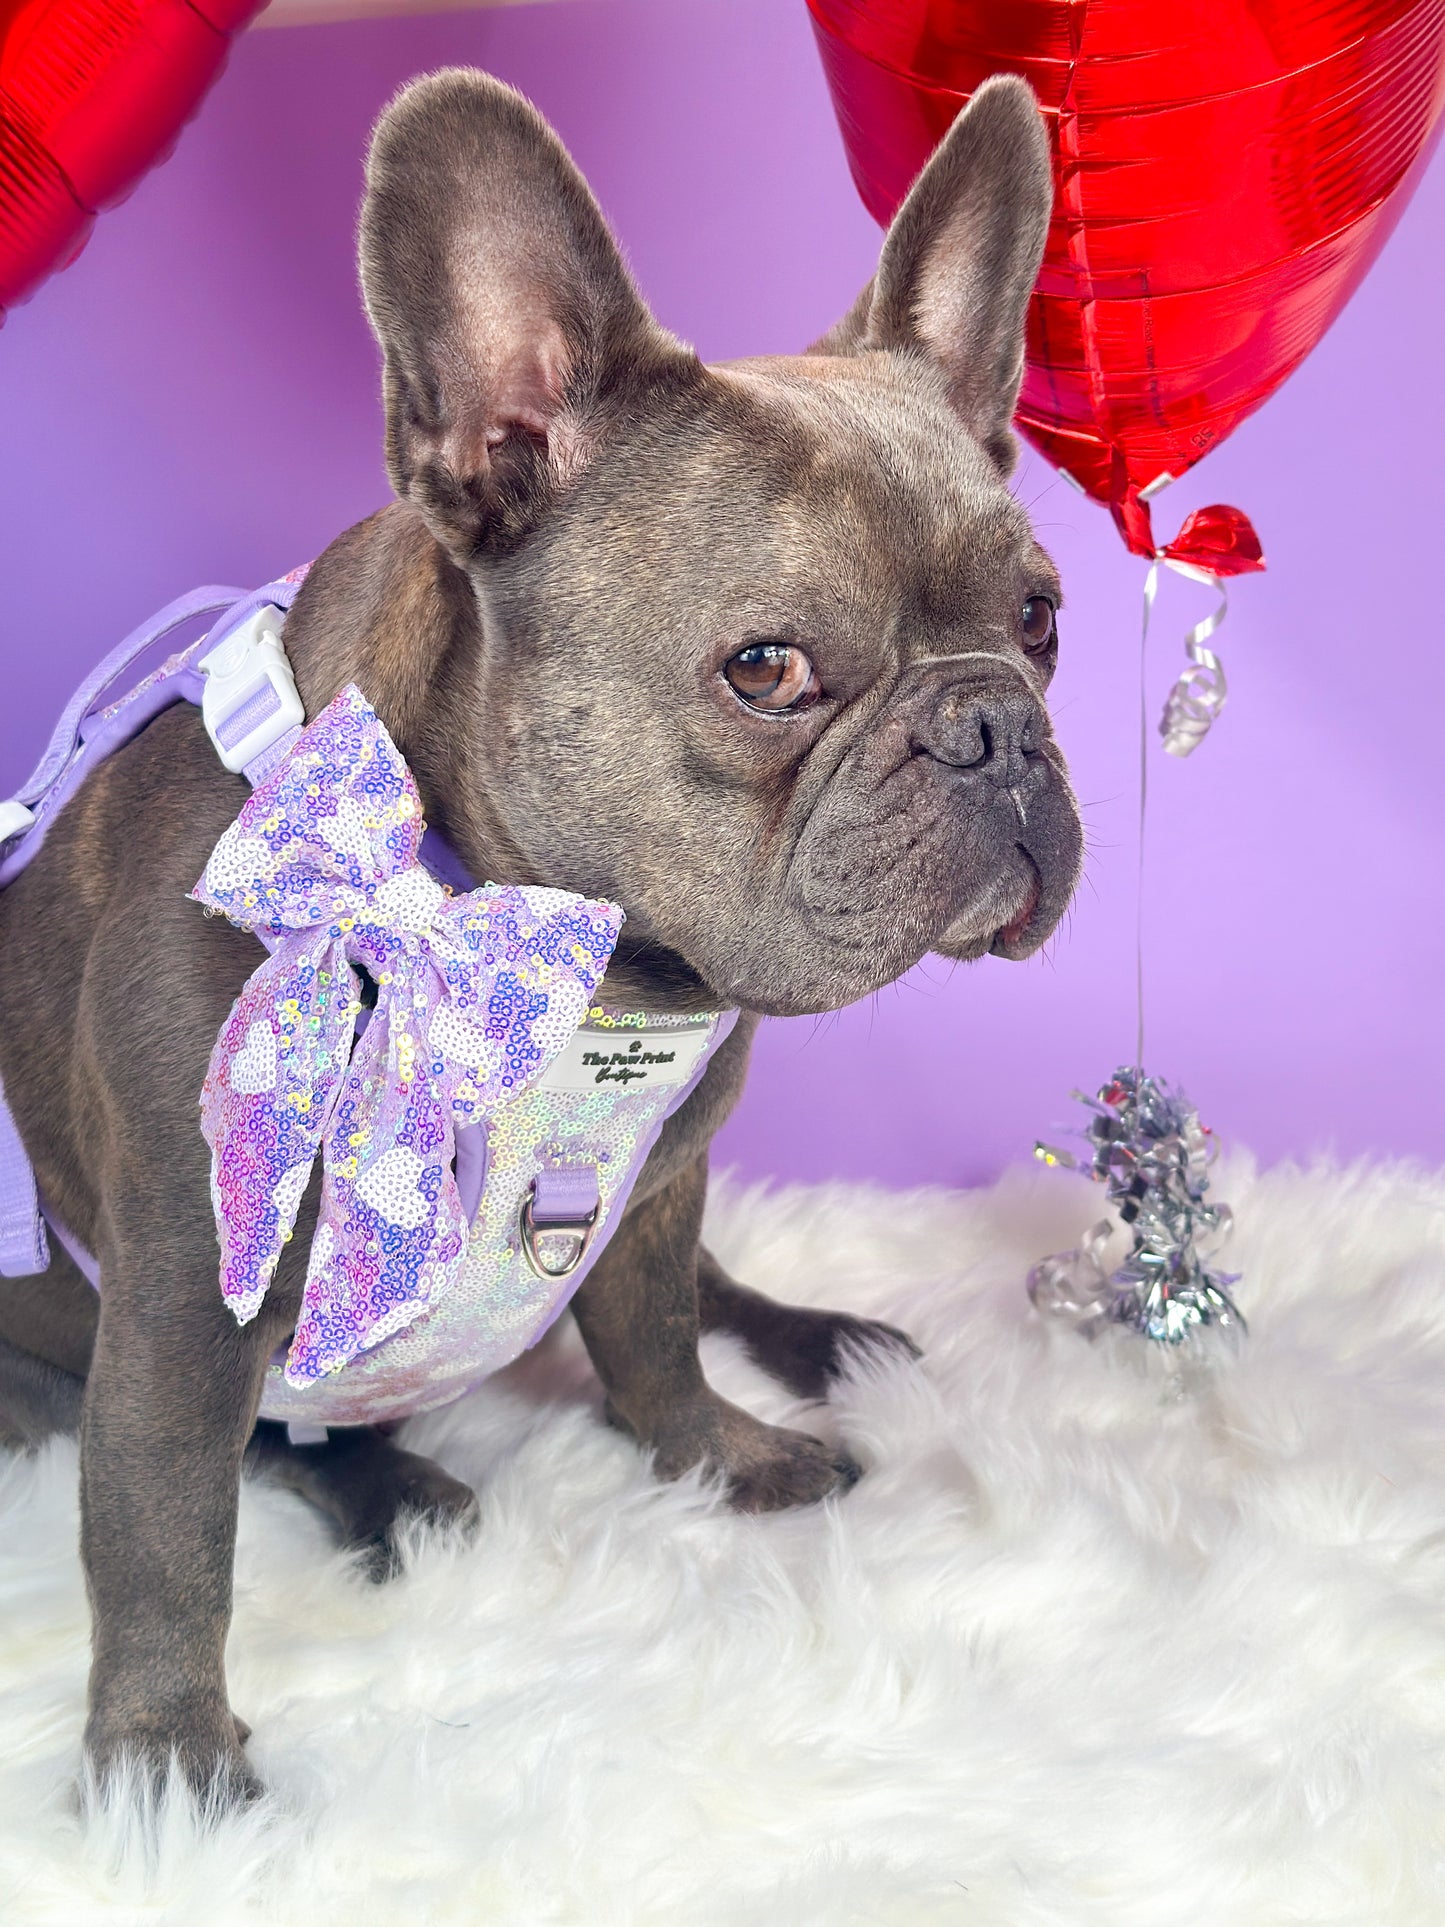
{"points": [[92, 94], [1226, 172]]}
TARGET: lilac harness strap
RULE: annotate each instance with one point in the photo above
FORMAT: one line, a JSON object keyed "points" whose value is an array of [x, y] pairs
{"points": [[23, 1249], [94, 724]]}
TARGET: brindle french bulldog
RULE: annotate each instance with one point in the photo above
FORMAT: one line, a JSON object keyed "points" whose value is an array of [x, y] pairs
{"points": [[758, 651]]}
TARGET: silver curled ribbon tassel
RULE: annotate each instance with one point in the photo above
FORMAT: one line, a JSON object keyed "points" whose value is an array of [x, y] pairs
{"points": [[1201, 691], [1148, 1147]]}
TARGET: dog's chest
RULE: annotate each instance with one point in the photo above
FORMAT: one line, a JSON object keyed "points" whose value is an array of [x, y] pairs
{"points": [[599, 1109]]}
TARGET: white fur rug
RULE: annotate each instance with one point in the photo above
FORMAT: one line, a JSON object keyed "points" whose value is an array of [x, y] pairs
{"points": [[1070, 1654]]}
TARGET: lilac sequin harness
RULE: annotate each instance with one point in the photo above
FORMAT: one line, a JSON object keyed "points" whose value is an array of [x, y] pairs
{"points": [[479, 1124]]}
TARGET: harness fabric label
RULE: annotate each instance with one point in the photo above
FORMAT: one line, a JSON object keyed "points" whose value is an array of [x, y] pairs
{"points": [[625, 1060]]}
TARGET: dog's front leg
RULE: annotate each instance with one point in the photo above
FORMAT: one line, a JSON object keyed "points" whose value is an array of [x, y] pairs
{"points": [[638, 1315], [169, 1405]]}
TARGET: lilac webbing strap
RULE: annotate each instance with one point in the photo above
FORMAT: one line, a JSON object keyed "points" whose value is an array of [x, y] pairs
{"points": [[260, 767], [67, 732], [23, 1250], [258, 708], [564, 1194], [89, 730], [565, 1198]]}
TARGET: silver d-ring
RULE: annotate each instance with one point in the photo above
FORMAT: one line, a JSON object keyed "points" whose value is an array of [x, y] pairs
{"points": [[579, 1228]]}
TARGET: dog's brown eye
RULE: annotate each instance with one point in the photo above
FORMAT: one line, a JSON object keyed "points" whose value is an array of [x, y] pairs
{"points": [[1038, 624], [771, 676]]}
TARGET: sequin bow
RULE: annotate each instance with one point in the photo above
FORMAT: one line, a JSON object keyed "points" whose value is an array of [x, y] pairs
{"points": [[475, 995]]}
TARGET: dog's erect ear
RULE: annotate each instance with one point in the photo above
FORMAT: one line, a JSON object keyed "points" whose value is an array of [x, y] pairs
{"points": [[960, 261], [501, 304]]}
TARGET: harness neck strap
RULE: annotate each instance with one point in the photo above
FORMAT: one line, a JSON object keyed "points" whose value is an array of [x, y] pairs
{"points": [[96, 721]]}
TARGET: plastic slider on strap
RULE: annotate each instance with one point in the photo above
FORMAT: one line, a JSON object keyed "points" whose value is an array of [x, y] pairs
{"points": [[249, 701], [562, 1201]]}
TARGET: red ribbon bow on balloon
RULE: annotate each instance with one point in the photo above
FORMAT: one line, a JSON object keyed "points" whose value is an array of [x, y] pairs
{"points": [[1218, 541]]}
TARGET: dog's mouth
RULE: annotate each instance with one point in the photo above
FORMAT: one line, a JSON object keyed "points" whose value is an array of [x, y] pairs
{"points": [[1017, 939], [1025, 929]]}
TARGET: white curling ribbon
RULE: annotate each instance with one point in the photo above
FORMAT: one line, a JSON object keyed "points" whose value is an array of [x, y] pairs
{"points": [[1200, 693], [1074, 1284]]}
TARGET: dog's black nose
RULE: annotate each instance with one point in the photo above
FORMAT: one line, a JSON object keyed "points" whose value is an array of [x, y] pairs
{"points": [[992, 732]]}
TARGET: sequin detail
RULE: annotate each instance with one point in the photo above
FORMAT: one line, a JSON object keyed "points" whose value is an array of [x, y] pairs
{"points": [[498, 1307], [475, 996]]}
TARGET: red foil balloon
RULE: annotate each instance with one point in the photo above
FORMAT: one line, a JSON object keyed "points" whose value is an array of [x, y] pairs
{"points": [[1227, 170], [92, 94]]}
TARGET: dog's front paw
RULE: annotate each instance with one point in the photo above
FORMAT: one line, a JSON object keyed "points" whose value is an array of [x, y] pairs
{"points": [[413, 1492], [375, 1491], [807, 1350], [803, 1348], [137, 1755], [765, 1466]]}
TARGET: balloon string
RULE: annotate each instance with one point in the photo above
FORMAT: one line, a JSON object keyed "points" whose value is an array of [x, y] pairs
{"points": [[1151, 589], [1194, 702]]}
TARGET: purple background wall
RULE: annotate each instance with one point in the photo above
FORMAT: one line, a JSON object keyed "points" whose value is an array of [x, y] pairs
{"points": [[196, 401]]}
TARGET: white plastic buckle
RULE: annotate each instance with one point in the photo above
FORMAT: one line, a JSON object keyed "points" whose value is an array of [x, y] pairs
{"points": [[240, 670], [14, 818]]}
